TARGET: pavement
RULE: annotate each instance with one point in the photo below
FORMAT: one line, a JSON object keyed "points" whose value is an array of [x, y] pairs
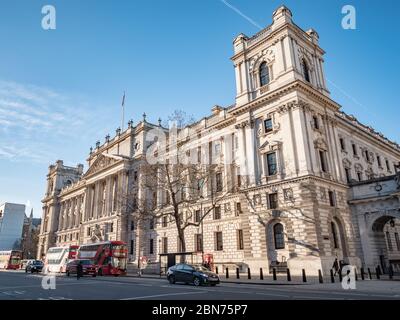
{"points": [[17, 285]]}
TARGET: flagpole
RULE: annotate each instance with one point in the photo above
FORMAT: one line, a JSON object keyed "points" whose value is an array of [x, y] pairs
{"points": [[123, 113]]}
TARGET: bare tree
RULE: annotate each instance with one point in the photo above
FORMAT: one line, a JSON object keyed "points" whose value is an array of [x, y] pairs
{"points": [[175, 192]]}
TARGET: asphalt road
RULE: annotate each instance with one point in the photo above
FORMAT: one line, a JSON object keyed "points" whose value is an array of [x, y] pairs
{"points": [[16, 285]]}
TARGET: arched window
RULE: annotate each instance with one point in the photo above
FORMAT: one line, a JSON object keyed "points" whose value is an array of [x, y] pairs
{"points": [[334, 236], [279, 236], [264, 74], [306, 71]]}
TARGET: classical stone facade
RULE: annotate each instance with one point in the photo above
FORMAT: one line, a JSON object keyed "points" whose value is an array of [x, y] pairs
{"points": [[294, 156], [376, 206]]}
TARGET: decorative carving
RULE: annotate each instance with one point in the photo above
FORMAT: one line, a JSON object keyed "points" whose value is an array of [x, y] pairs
{"points": [[267, 55], [320, 144], [347, 163], [100, 163]]}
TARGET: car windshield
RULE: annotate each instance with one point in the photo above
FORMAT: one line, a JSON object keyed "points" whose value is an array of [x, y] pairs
{"points": [[201, 268], [85, 262]]}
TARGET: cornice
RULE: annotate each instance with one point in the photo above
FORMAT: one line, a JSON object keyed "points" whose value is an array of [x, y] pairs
{"points": [[279, 92]]}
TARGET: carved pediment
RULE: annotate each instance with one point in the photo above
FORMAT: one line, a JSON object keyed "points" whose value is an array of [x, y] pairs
{"points": [[103, 161], [270, 146]]}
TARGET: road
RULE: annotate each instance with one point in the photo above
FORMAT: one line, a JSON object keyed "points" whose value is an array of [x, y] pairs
{"points": [[16, 285]]}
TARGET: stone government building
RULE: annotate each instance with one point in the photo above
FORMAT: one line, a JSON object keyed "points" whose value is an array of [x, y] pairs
{"points": [[310, 164]]}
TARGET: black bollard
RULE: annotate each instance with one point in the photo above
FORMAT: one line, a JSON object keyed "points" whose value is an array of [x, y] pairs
{"points": [[332, 277], [304, 275], [320, 278], [227, 273], [248, 273], [289, 277], [378, 275], [369, 274], [391, 272], [362, 273], [355, 274], [274, 274], [216, 270], [379, 270], [237, 273], [340, 275], [261, 274]]}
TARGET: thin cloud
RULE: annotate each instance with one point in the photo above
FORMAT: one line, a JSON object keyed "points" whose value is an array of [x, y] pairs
{"points": [[241, 14]]}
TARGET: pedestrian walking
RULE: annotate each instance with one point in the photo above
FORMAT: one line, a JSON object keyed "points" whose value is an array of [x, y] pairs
{"points": [[79, 270], [335, 266]]}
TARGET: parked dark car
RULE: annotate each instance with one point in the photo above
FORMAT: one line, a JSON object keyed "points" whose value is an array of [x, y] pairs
{"points": [[187, 273], [89, 268], [34, 266]]}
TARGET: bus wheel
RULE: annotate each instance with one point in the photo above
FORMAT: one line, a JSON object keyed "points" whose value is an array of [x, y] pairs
{"points": [[93, 275], [171, 279], [68, 273]]}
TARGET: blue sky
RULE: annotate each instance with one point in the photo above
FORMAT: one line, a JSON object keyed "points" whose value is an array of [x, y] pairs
{"points": [[60, 90]]}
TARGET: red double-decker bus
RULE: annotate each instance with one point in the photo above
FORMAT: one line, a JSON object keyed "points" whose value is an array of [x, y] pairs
{"points": [[10, 260], [110, 257]]}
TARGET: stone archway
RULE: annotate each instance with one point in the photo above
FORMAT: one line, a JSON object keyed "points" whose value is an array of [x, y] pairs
{"points": [[374, 241], [338, 240], [379, 241], [277, 245]]}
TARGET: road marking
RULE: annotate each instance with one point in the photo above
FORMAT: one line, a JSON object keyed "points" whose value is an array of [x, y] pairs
{"points": [[163, 295], [273, 294]]}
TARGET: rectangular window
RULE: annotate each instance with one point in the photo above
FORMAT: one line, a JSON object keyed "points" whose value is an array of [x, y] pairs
{"points": [[268, 127], [218, 180], [387, 165], [366, 155], [88, 233], [378, 159], [389, 241], [217, 213], [135, 175], [239, 180], [197, 216], [218, 241], [332, 200], [164, 221], [77, 236], [165, 244], [316, 123], [111, 227], [238, 208], [273, 200], [271, 164], [396, 236], [132, 225], [240, 244], [342, 144], [354, 149], [131, 247], [198, 242], [348, 175], [151, 250], [322, 158], [217, 149], [359, 176]]}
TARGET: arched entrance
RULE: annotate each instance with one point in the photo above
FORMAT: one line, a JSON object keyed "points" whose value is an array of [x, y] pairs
{"points": [[338, 240], [385, 242], [277, 245]]}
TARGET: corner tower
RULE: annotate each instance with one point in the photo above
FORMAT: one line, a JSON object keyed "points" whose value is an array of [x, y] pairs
{"points": [[276, 56]]}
